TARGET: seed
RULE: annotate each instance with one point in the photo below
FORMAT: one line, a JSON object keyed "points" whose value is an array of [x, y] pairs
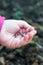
{"points": [[22, 32]]}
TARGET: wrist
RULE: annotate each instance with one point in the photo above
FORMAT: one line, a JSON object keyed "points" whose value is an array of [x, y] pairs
{"points": [[1, 21]]}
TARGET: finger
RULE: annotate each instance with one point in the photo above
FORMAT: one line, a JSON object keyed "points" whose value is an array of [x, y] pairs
{"points": [[22, 42], [29, 29], [22, 23], [31, 35], [16, 43], [25, 40], [33, 32]]}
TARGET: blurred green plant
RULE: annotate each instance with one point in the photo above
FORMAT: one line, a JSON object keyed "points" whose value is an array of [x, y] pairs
{"points": [[18, 14], [37, 44]]}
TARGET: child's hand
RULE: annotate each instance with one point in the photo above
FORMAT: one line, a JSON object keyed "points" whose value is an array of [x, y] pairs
{"points": [[16, 33]]}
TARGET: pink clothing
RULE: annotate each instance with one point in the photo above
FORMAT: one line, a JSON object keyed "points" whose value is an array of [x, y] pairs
{"points": [[1, 21]]}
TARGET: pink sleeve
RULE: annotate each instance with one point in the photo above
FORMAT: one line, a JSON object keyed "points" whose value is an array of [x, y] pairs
{"points": [[1, 21]]}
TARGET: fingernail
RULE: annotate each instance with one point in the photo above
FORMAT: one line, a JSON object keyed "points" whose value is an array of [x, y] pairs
{"points": [[34, 31]]}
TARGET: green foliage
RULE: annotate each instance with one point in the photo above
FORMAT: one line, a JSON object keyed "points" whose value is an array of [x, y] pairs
{"points": [[37, 44], [17, 9]]}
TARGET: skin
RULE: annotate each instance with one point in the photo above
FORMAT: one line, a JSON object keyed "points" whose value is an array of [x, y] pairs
{"points": [[16, 33]]}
